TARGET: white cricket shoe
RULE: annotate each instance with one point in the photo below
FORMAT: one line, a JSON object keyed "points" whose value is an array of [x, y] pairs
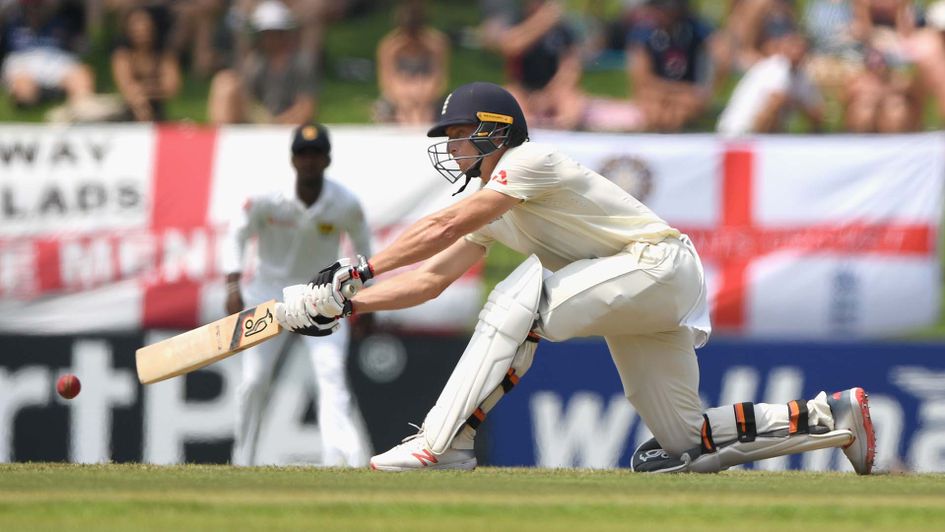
{"points": [[851, 411], [413, 455]]}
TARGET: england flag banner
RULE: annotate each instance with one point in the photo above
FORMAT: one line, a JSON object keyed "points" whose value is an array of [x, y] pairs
{"points": [[801, 236], [120, 227]]}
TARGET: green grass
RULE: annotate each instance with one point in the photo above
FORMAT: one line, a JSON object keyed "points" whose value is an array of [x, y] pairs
{"points": [[135, 497]]}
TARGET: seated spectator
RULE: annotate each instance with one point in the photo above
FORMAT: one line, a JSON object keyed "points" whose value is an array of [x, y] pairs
{"points": [[543, 64], [669, 65], [276, 83], [886, 26], [412, 68], [773, 87], [836, 37], [42, 61], [927, 50], [145, 70], [880, 99], [737, 44]]}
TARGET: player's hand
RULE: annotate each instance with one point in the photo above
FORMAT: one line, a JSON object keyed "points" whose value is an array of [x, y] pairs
{"points": [[295, 313], [234, 303], [328, 287]]}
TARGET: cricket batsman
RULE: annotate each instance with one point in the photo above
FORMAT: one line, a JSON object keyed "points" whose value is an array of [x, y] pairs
{"points": [[296, 233], [601, 264]]}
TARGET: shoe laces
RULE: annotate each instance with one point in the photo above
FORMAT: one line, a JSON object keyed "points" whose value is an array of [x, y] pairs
{"points": [[413, 436]]}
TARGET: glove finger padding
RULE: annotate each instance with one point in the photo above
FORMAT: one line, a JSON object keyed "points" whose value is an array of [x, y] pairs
{"points": [[327, 302], [293, 310], [323, 327]]}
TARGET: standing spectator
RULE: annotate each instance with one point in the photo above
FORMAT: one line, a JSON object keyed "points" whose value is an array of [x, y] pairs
{"points": [[772, 87], [276, 83], [146, 71], [669, 66], [412, 68], [296, 233], [42, 60], [542, 62]]}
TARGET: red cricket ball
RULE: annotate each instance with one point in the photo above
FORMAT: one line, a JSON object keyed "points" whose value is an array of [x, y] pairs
{"points": [[68, 386]]}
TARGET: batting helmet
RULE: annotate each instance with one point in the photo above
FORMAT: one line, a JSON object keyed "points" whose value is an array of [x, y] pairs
{"points": [[499, 122]]}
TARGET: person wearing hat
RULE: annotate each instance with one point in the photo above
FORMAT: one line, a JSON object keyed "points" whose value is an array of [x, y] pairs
{"points": [[600, 263], [277, 82], [296, 234]]}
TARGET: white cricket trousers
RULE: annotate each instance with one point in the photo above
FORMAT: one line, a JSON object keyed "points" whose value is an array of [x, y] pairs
{"points": [[637, 301], [342, 438]]}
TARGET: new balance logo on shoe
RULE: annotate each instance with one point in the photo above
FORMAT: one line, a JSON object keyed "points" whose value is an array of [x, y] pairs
{"points": [[426, 457]]}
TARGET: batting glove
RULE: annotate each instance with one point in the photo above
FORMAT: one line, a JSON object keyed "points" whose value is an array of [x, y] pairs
{"points": [[294, 313], [328, 287]]}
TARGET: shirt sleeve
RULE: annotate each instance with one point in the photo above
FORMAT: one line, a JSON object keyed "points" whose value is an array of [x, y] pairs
{"points": [[525, 176], [240, 228], [480, 237]]}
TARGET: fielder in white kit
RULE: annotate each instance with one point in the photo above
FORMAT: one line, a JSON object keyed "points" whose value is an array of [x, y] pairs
{"points": [[297, 233], [601, 264]]}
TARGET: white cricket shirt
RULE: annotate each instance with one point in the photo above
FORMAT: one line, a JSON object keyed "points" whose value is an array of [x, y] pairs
{"points": [[294, 241], [768, 76], [568, 212]]}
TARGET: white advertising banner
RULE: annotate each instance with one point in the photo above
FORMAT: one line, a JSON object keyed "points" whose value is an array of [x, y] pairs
{"points": [[118, 227]]}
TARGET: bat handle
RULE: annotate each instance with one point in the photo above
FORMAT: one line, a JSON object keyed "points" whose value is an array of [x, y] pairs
{"points": [[349, 289]]}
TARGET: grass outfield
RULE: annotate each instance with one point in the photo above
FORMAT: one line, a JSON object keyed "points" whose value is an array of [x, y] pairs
{"points": [[59, 497]]}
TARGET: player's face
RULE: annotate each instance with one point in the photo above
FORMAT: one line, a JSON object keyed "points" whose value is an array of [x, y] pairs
{"points": [[309, 168], [460, 149]]}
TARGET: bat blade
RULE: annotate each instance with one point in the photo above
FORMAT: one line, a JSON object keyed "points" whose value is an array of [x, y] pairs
{"points": [[207, 344]]}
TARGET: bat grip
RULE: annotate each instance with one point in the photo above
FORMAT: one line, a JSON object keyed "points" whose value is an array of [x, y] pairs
{"points": [[349, 289]]}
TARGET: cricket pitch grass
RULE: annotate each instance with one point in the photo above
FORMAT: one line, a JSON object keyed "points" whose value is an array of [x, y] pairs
{"points": [[35, 497]]}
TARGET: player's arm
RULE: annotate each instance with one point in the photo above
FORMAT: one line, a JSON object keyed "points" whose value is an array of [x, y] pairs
{"points": [[434, 233], [411, 288], [238, 232]]}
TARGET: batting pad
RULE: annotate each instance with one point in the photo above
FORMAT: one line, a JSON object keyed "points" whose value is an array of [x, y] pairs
{"points": [[503, 324]]}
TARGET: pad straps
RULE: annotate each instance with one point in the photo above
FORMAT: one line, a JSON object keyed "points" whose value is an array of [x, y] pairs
{"points": [[797, 411], [708, 444], [745, 421]]}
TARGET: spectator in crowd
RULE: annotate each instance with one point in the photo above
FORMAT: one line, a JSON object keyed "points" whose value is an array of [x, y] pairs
{"points": [[737, 44], [276, 83], [145, 70], [312, 17], [669, 65], [190, 34], [412, 68], [543, 63], [887, 26], [42, 55], [880, 99], [927, 49], [836, 50], [773, 86]]}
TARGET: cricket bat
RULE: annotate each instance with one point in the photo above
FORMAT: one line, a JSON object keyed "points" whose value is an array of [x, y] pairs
{"points": [[211, 343]]}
